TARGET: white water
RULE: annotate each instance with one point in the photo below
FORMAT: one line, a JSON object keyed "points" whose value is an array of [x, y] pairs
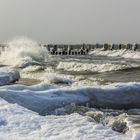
{"points": [[22, 52], [118, 53], [77, 66]]}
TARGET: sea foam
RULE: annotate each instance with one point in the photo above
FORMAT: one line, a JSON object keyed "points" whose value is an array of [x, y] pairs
{"points": [[22, 52]]}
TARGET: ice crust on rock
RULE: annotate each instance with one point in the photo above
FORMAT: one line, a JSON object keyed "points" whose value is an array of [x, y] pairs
{"points": [[8, 75]]}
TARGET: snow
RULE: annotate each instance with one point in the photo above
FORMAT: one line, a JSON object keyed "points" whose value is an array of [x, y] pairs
{"points": [[8, 75], [19, 123]]}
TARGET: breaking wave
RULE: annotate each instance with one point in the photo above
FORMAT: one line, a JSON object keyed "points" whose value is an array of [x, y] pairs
{"points": [[22, 52], [117, 53], [77, 66]]}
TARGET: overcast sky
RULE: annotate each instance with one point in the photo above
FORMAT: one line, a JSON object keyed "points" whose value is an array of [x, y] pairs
{"points": [[71, 21]]}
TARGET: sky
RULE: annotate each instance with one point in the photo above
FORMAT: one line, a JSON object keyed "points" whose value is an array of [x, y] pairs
{"points": [[71, 21]]}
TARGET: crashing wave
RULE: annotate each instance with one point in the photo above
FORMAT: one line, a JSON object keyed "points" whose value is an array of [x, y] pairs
{"points": [[22, 52], [77, 66]]}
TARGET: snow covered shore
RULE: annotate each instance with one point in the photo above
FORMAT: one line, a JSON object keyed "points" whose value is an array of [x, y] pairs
{"points": [[29, 112], [19, 123]]}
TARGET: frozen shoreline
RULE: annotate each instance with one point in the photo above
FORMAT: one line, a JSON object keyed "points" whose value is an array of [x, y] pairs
{"points": [[19, 123], [56, 91], [44, 98]]}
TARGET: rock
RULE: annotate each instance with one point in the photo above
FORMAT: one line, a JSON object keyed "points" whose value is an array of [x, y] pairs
{"points": [[8, 75], [96, 115], [118, 123], [73, 108]]}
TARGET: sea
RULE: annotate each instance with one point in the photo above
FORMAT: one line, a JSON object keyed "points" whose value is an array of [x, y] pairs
{"points": [[78, 97]]}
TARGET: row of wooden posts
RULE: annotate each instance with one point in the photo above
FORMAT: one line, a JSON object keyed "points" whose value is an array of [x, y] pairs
{"points": [[83, 49]]}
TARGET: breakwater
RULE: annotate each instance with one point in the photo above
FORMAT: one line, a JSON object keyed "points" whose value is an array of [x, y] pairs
{"points": [[83, 49]]}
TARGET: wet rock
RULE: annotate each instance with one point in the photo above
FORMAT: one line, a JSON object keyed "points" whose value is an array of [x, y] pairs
{"points": [[118, 123], [96, 115], [73, 108]]}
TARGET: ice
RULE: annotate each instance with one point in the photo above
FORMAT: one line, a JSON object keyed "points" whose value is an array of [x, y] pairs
{"points": [[136, 136], [39, 87], [22, 124], [45, 101], [8, 75]]}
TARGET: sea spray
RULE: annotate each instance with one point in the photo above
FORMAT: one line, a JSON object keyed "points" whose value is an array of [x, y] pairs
{"points": [[22, 52]]}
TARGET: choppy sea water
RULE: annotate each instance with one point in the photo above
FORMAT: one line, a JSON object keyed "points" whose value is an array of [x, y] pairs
{"points": [[128, 74]]}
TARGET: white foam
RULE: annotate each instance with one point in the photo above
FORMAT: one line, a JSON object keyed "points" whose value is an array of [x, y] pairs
{"points": [[47, 76], [77, 66], [116, 53], [22, 52]]}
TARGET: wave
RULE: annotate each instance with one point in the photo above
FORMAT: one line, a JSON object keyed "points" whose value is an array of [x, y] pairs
{"points": [[117, 53], [21, 52], [90, 67]]}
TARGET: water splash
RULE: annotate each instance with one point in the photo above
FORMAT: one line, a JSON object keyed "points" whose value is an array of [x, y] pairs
{"points": [[22, 52]]}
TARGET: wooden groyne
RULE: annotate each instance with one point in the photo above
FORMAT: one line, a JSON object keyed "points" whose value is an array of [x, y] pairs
{"points": [[83, 49]]}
